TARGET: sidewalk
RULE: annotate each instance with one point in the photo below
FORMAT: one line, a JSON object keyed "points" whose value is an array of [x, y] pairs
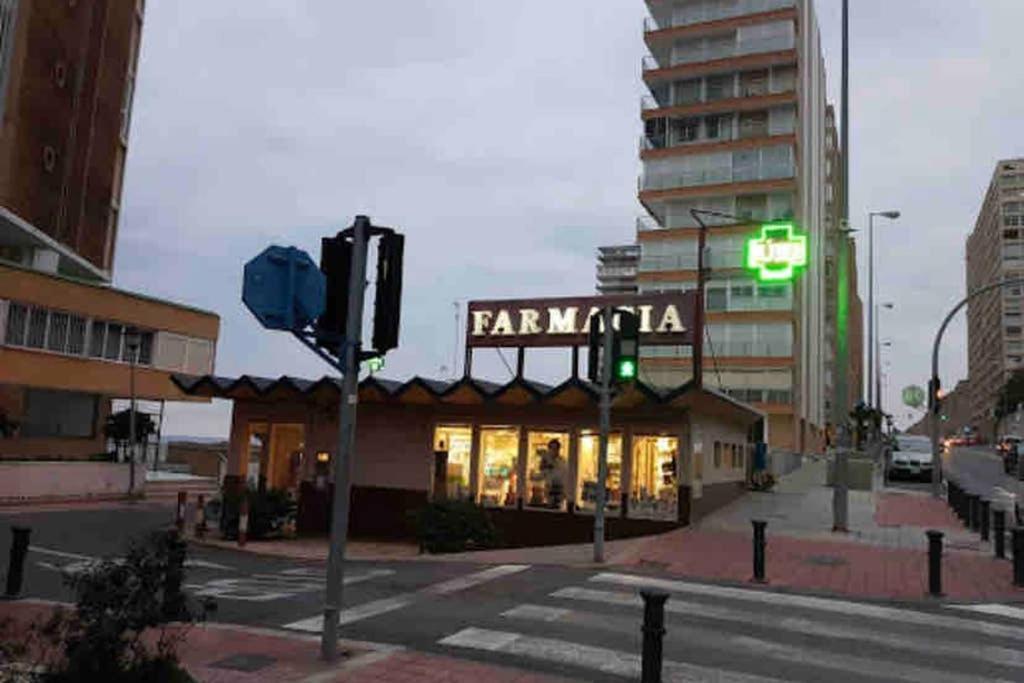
{"points": [[225, 653]]}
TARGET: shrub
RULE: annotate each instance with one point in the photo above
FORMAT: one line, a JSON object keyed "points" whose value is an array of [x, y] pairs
{"points": [[453, 526], [269, 512]]}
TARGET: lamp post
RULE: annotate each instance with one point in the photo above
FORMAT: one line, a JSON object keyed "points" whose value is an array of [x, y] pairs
{"points": [[891, 215], [132, 338], [877, 377], [878, 371]]}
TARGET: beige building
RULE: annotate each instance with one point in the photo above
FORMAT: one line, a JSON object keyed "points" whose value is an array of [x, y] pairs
{"points": [[995, 327], [735, 122]]}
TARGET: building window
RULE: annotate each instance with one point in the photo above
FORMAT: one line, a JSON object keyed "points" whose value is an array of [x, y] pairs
{"points": [[586, 491], [719, 88], [36, 337], [457, 442], [112, 349], [97, 336], [687, 92], [57, 338], [17, 320], [653, 492], [58, 414], [547, 470], [499, 453]]}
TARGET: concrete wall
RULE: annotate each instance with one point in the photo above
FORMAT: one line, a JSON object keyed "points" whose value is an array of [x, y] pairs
{"points": [[61, 480]]}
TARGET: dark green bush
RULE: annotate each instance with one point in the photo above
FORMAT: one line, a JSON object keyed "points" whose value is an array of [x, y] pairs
{"points": [[453, 526], [269, 511]]}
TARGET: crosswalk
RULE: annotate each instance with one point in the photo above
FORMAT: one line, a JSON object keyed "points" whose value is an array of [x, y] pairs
{"points": [[590, 630]]}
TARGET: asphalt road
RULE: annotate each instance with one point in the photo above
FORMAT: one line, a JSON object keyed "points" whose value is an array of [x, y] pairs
{"points": [[981, 469], [579, 623]]}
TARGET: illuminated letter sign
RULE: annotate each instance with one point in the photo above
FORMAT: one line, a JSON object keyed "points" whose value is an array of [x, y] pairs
{"points": [[777, 252]]}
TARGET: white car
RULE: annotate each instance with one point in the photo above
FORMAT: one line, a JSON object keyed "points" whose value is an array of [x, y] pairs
{"points": [[911, 458]]}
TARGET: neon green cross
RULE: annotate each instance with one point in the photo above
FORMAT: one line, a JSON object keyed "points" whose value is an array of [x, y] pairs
{"points": [[777, 252]]}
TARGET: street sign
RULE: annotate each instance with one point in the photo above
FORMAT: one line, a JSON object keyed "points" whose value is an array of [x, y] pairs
{"points": [[283, 288], [914, 396], [776, 252]]}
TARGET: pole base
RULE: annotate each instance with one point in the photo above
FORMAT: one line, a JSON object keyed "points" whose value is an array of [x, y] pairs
{"points": [[762, 582], [840, 530]]}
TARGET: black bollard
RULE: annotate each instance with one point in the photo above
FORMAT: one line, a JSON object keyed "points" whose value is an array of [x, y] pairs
{"points": [[1018, 556], [934, 563], [999, 531], [984, 505], [16, 568], [973, 515], [759, 546], [654, 632]]}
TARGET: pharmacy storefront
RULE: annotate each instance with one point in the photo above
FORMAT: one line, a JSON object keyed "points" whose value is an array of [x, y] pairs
{"points": [[526, 450]]}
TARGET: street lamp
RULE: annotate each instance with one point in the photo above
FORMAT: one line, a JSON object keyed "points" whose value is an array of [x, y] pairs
{"points": [[132, 339], [877, 377], [891, 215]]}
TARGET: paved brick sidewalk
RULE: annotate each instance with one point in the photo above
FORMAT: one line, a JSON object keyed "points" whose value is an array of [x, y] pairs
{"points": [[902, 509], [208, 649]]}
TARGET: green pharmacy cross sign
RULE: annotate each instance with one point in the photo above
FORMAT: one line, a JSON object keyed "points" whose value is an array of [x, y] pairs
{"points": [[776, 252]]}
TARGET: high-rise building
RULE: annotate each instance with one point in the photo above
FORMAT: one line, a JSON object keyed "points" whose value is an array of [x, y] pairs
{"points": [[67, 74], [735, 123], [616, 269], [995, 331]]}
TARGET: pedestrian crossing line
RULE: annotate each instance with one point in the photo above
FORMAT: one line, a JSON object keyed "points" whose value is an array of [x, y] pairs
{"points": [[994, 609], [270, 587], [809, 627], [375, 608], [836, 606], [603, 660], [709, 639]]}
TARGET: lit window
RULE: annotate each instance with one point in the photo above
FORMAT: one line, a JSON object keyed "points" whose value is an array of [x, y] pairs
{"points": [[457, 443], [499, 453], [586, 490]]}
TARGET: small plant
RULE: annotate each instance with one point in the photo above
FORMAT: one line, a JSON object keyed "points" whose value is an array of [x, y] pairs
{"points": [[270, 512], [454, 526], [117, 631]]}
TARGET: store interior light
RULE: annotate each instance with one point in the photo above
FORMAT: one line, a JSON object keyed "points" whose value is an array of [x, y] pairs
{"points": [[323, 456]]}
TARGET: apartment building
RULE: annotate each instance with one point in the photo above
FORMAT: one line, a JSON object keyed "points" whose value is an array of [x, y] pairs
{"points": [[67, 338], [735, 123], [995, 327], [616, 269]]}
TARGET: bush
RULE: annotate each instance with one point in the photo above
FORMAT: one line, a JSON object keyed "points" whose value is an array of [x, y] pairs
{"points": [[269, 512], [454, 526], [116, 601]]}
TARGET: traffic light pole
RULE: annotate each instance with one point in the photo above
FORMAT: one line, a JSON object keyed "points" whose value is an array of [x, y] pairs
{"points": [[607, 314], [346, 439]]}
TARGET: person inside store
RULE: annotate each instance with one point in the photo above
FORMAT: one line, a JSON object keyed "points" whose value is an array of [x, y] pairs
{"points": [[556, 471]]}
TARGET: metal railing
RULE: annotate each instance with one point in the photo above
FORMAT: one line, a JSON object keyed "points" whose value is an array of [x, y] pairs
{"points": [[699, 13], [665, 181]]}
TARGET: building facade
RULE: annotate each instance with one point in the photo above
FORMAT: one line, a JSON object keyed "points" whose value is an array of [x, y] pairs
{"points": [[616, 269], [995, 330], [735, 123], [67, 338]]}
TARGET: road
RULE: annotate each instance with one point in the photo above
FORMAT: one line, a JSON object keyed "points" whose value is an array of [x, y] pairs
{"points": [[980, 468], [579, 623]]}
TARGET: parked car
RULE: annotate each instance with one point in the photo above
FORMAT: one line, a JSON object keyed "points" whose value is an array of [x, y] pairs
{"points": [[1008, 448], [911, 458]]}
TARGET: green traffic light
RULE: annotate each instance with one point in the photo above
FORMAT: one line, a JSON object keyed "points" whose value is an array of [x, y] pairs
{"points": [[626, 369]]}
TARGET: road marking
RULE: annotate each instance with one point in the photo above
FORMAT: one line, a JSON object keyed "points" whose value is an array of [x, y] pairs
{"points": [[269, 587], [61, 553], [809, 627], [821, 604], [601, 659], [994, 609], [206, 564], [376, 607]]}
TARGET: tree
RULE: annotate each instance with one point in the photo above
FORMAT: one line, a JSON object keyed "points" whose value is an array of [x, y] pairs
{"points": [[118, 428]]}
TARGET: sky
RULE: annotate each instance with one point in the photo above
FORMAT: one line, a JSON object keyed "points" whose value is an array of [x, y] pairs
{"points": [[501, 139]]}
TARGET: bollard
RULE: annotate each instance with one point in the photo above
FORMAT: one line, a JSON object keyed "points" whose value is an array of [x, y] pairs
{"points": [[984, 511], [16, 567], [654, 632], [759, 546], [1018, 556], [201, 516], [934, 563], [972, 512], [243, 521], [999, 531], [179, 515]]}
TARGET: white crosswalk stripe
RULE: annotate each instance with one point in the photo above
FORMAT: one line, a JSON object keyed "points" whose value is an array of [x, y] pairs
{"points": [[722, 633]]}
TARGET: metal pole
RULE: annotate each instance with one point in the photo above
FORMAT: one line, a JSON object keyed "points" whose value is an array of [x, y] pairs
{"points": [[871, 309], [346, 439], [131, 421], [606, 409], [698, 309], [935, 403], [878, 360], [159, 437]]}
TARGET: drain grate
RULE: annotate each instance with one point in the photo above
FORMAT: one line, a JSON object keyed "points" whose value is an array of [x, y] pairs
{"points": [[244, 662], [825, 560]]}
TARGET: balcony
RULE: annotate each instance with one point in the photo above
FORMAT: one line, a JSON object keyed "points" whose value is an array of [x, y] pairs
{"points": [[707, 60], [715, 176], [706, 12]]}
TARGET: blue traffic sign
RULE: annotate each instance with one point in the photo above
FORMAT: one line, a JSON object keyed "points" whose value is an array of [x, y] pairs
{"points": [[283, 288]]}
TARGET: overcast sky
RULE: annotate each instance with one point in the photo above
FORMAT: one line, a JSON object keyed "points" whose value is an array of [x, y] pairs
{"points": [[501, 138]]}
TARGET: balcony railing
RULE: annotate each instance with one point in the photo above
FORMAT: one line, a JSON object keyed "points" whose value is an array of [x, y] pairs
{"points": [[707, 53], [715, 176], [699, 13], [648, 142], [646, 223]]}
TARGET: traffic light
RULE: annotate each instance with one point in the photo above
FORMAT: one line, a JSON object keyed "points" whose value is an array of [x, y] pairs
{"points": [[625, 364], [387, 306], [336, 265], [934, 400]]}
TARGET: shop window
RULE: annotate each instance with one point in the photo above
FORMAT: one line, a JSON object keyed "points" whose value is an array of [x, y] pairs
{"points": [[499, 453], [654, 491], [547, 469], [586, 492], [457, 442]]}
